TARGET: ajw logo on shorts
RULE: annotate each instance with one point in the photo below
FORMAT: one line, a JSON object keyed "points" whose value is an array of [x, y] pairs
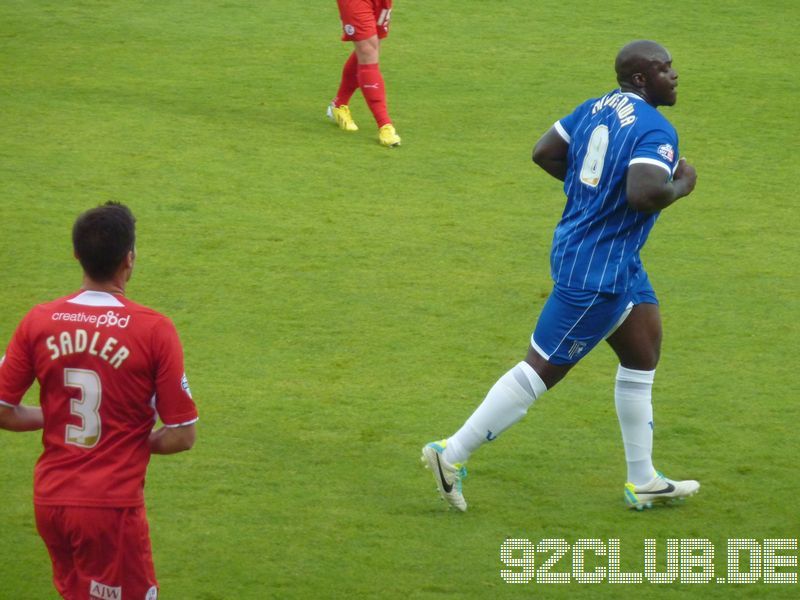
{"points": [[106, 592]]}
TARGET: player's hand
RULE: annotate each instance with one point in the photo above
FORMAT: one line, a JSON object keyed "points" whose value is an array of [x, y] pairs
{"points": [[685, 178]]}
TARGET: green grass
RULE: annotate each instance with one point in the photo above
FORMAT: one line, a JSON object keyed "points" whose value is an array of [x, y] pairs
{"points": [[341, 304]]}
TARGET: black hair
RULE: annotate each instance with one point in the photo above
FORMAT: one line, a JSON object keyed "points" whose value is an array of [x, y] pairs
{"points": [[102, 238]]}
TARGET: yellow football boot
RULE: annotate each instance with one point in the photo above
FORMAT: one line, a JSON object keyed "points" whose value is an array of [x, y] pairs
{"points": [[388, 136], [341, 115]]}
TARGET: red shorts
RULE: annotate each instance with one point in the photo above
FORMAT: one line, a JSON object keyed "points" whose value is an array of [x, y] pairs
{"points": [[99, 553], [361, 19]]}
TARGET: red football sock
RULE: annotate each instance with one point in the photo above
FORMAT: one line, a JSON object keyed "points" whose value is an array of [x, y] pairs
{"points": [[349, 82], [370, 81]]}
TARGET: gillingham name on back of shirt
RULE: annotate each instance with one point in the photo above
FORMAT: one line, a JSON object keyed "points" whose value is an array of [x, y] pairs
{"points": [[621, 104]]}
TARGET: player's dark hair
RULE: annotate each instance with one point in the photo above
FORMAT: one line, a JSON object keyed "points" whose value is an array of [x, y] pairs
{"points": [[102, 238]]}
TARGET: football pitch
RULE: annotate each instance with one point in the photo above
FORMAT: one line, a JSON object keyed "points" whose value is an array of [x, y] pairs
{"points": [[341, 304]]}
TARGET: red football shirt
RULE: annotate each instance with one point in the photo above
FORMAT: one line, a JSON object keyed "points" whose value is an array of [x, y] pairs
{"points": [[107, 368]]}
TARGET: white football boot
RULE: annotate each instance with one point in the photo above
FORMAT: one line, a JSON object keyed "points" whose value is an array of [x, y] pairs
{"points": [[448, 477], [660, 489]]}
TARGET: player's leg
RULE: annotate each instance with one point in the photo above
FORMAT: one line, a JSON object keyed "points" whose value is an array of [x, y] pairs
{"points": [[506, 403], [373, 88], [349, 82], [137, 555], [549, 373], [111, 553], [370, 79], [637, 343], [637, 340], [49, 524], [565, 332], [339, 109], [367, 50], [569, 326]]}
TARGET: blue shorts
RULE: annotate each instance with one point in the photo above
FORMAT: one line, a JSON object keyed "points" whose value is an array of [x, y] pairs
{"points": [[573, 321]]}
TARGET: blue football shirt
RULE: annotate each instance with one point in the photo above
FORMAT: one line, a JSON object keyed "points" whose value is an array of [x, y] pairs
{"points": [[597, 241]]}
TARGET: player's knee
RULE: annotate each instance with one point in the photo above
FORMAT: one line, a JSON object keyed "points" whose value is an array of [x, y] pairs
{"points": [[367, 51], [654, 354], [549, 373], [645, 361]]}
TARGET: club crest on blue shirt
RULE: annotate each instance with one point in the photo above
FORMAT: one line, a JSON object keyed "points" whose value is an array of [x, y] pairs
{"points": [[667, 151]]}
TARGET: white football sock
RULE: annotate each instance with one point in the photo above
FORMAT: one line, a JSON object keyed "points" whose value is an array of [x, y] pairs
{"points": [[633, 399], [505, 404]]}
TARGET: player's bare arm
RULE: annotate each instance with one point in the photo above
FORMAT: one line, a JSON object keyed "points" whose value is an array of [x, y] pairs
{"points": [[550, 153], [21, 418], [171, 440], [649, 190]]}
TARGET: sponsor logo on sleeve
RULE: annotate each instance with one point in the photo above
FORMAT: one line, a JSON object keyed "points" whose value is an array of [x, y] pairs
{"points": [[666, 151], [185, 385]]}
